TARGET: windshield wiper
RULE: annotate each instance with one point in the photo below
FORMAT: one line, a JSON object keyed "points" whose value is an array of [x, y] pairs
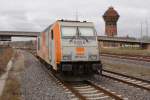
{"points": [[73, 37], [84, 38], [79, 34]]}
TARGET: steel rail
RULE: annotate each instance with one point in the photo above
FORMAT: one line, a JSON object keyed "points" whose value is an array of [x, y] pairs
{"points": [[127, 82], [116, 97], [126, 76], [138, 58]]}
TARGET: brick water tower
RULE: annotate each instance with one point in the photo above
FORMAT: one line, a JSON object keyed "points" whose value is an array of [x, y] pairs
{"points": [[111, 17]]}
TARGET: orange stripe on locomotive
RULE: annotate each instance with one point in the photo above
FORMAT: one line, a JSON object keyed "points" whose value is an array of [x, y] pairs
{"points": [[57, 40]]}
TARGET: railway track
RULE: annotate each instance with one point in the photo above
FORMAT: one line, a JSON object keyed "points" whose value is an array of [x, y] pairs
{"points": [[85, 90], [88, 90], [136, 82], [136, 57]]}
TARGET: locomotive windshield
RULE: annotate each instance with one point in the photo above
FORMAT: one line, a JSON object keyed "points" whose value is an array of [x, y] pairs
{"points": [[86, 31], [69, 31], [77, 31]]}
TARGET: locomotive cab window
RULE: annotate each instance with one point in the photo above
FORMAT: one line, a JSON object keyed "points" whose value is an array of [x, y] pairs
{"points": [[86, 31], [69, 31]]}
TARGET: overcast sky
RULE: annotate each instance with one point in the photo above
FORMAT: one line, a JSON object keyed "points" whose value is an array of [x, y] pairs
{"points": [[35, 15]]}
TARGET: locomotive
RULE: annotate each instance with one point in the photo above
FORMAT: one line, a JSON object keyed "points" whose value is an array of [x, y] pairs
{"points": [[70, 47]]}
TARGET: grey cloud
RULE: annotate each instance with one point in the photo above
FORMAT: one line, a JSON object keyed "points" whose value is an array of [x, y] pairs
{"points": [[35, 15]]}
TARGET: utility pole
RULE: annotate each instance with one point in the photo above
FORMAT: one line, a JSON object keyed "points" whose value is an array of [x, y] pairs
{"points": [[147, 31], [141, 33], [141, 30], [77, 16]]}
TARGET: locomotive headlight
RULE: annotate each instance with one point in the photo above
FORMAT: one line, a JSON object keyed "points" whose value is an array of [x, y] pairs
{"points": [[92, 57], [66, 57]]}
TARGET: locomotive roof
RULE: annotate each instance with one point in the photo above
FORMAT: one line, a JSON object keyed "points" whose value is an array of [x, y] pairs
{"points": [[75, 23], [71, 23]]}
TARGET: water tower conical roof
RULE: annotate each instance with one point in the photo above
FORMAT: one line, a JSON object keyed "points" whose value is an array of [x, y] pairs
{"points": [[111, 12]]}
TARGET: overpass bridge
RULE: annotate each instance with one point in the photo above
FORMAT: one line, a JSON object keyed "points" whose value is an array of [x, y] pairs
{"points": [[6, 35]]}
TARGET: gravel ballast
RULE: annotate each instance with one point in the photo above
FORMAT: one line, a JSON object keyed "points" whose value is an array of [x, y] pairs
{"points": [[36, 84]]}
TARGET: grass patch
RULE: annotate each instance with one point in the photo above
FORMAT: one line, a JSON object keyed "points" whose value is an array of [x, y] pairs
{"points": [[136, 71], [126, 51], [12, 89], [5, 55]]}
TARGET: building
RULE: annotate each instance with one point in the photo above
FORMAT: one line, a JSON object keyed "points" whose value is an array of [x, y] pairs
{"points": [[111, 17], [111, 40]]}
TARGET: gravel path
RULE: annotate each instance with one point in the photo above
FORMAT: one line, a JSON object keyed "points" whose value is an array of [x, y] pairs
{"points": [[36, 84], [125, 90], [4, 77]]}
